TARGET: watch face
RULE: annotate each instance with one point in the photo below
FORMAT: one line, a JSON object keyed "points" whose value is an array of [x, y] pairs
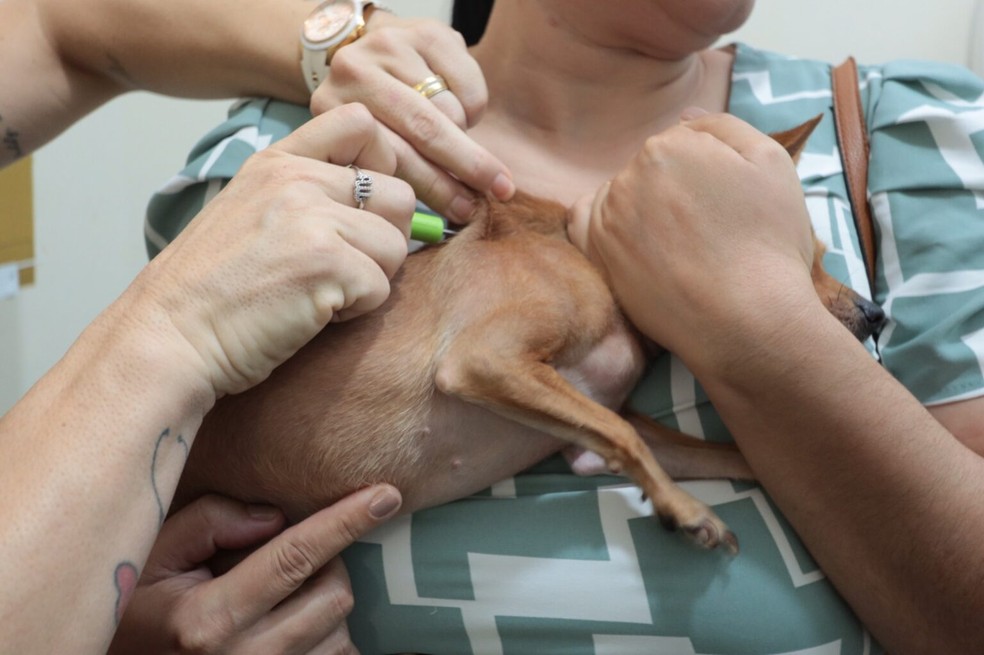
{"points": [[328, 21]]}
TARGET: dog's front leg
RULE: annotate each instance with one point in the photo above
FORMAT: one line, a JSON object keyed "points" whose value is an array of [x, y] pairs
{"points": [[531, 392]]}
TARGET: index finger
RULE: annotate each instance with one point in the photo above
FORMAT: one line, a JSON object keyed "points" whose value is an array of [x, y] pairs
{"points": [[271, 574], [344, 135]]}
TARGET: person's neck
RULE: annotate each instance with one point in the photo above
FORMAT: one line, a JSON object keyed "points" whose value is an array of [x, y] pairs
{"points": [[556, 94]]}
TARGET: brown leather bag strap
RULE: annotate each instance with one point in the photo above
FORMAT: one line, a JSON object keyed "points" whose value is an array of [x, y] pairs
{"points": [[852, 137]]}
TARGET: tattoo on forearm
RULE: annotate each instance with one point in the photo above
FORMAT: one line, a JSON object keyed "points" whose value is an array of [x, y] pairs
{"points": [[125, 578], [11, 140], [126, 575], [164, 439], [116, 69]]}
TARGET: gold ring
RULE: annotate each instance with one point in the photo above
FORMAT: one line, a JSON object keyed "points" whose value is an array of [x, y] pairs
{"points": [[430, 86]]}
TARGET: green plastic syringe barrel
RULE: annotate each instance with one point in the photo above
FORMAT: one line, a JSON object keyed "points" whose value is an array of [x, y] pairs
{"points": [[427, 228]]}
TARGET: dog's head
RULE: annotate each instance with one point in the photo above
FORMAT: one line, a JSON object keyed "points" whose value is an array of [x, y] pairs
{"points": [[858, 314]]}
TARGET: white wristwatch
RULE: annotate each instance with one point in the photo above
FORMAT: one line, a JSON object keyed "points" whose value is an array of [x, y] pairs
{"points": [[327, 28]]}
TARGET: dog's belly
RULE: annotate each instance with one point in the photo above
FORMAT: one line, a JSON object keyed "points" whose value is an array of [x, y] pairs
{"points": [[450, 450], [464, 449], [310, 434], [291, 445]]}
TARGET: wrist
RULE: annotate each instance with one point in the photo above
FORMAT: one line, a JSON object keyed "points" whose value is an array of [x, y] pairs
{"points": [[138, 342], [769, 353], [742, 346], [330, 26]]}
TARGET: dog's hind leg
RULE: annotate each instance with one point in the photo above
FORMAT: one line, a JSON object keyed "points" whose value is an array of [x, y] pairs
{"points": [[689, 458]]}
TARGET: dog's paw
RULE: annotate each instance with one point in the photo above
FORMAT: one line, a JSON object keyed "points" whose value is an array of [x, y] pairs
{"points": [[698, 523]]}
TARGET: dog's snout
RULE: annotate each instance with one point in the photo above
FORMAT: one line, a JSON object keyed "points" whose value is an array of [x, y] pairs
{"points": [[874, 315]]}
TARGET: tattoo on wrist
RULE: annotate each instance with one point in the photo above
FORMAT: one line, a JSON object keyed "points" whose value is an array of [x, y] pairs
{"points": [[163, 440]]}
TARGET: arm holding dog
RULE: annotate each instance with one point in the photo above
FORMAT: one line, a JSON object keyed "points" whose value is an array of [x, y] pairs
{"points": [[885, 495], [259, 272]]}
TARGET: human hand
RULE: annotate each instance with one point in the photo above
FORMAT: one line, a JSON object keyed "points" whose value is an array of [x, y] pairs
{"points": [[280, 252], [292, 595], [434, 153], [704, 238]]}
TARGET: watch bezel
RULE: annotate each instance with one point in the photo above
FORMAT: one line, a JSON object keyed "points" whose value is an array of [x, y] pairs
{"points": [[355, 19]]}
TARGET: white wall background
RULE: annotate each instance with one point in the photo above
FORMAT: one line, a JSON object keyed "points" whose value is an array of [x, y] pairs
{"points": [[92, 184]]}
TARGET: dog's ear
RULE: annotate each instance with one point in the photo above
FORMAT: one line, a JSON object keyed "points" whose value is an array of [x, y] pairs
{"points": [[794, 140], [480, 210]]}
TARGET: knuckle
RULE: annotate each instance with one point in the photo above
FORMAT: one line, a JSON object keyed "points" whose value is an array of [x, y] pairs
{"points": [[374, 295], [360, 115], [356, 116], [457, 38], [278, 173], [771, 152], [438, 38], [425, 125], [391, 261], [197, 633], [473, 100], [268, 158], [322, 101], [294, 563], [384, 40], [404, 200], [346, 67], [434, 30], [340, 602], [653, 149], [326, 247], [327, 301]]}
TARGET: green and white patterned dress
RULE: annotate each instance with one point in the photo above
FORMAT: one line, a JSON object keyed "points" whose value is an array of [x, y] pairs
{"points": [[548, 562]]}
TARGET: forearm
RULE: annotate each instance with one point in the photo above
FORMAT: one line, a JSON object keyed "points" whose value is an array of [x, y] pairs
{"points": [[218, 48], [60, 60], [89, 460], [886, 499]]}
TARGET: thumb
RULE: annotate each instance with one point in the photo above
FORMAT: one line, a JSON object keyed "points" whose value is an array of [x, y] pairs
{"points": [[210, 523], [583, 213]]}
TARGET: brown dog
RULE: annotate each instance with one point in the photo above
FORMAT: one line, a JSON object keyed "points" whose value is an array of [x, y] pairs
{"points": [[495, 349]]}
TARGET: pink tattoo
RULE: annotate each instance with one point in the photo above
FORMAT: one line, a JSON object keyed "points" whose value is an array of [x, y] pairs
{"points": [[126, 577]]}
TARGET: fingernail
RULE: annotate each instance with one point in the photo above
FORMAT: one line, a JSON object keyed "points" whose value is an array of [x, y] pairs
{"points": [[385, 503], [690, 113], [462, 208], [503, 187], [262, 512]]}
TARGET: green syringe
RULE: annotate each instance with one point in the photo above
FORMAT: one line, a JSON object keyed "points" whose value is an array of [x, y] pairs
{"points": [[429, 228]]}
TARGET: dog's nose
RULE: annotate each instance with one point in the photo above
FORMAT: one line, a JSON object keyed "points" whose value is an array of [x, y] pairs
{"points": [[874, 315]]}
